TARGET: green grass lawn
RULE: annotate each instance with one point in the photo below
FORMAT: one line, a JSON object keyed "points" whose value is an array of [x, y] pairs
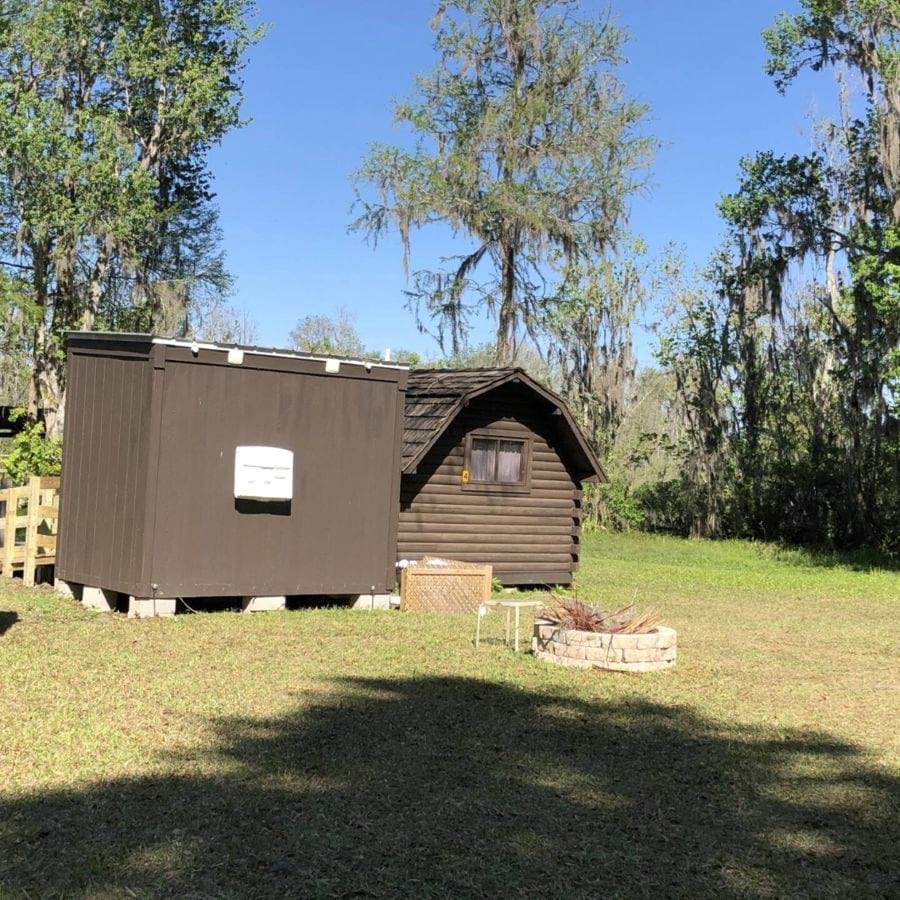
{"points": [[339, 753]]}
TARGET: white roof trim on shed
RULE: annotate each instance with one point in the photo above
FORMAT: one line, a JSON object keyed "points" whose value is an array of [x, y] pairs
{"points": [[286, 354]]}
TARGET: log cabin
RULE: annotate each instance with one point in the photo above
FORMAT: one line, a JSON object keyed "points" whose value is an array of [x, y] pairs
{"points": [[491, 472]]}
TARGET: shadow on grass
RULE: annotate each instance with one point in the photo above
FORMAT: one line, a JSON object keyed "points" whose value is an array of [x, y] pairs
{"points": [[7, 620], [458, 788], [862, 560]]}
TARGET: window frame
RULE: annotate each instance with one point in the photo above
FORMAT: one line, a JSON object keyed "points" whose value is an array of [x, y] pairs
{"points": [[499, 487]]}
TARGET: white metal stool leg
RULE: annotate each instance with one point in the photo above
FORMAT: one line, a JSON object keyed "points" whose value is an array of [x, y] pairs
{"points": [[517, 629]]}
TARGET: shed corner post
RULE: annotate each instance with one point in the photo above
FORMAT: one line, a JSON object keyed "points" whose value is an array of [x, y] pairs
{"points": [[396, 488]]}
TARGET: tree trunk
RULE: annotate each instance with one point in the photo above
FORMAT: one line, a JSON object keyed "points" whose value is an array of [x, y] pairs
{"points": [[46, 394], [42, 398], [95, 290], [505, 353], [890, 146]]}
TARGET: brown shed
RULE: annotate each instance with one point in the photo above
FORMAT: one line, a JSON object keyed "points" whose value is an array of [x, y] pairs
{"points": [[493, 464], [157, 501]]}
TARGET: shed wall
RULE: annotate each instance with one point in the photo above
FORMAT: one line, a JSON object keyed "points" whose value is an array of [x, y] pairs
{"points": [[338, 535], [105, 460], [529, 538]]}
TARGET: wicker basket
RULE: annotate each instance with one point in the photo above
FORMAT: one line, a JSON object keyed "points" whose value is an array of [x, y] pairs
{"points": [[444, 586]]}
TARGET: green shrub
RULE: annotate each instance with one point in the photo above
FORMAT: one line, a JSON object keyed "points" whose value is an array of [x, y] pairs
{"points": [[668, 505], [613, 507], [32, 452]]}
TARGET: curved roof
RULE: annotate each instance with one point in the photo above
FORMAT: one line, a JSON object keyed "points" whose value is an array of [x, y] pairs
{"points": [[435, 396]]}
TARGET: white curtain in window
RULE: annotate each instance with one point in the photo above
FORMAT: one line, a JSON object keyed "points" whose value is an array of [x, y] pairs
{"points": [[509, 462], [484, 460]]}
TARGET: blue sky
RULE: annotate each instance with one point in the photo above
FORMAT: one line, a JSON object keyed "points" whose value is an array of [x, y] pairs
{"points": [[319, 89]]}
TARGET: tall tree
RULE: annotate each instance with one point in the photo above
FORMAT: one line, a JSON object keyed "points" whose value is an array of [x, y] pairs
{"points": [[15, 327], [335, 334], [805, 431], [696, 349], [525, 144], [863, 35], [223, 324], [107, 111], [586, 332], [841, 207]]}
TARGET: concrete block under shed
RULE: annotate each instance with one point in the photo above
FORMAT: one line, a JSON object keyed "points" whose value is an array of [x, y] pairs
{"points": [[374, 601], [150, 607], [67, 589], [263, 604], [98, 598]]}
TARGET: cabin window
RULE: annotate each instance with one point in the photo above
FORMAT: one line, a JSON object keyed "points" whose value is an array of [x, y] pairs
{"points": [[497, 461]]}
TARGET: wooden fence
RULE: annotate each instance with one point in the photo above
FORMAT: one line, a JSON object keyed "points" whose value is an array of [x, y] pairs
{"points": [[29, 520]]}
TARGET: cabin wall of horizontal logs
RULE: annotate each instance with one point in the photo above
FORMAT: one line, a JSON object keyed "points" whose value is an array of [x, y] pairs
{"points": [[530, 536]]}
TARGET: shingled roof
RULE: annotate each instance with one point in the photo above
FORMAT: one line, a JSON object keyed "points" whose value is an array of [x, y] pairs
{"points": [[435, 396]]}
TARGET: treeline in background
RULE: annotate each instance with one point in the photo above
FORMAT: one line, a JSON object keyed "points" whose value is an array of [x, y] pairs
{"points": [[767, 401]]}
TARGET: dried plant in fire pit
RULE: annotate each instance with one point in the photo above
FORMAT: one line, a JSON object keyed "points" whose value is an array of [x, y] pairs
{"points": [[568, 632], [573, 615]]}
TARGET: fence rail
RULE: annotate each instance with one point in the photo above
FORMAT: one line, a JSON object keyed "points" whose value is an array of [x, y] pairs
{"points": [[29, 522]]}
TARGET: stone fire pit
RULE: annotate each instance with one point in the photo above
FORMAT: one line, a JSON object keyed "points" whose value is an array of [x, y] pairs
{"points": [[605, 650]]}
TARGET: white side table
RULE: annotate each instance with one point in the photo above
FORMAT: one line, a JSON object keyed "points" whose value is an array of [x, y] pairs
{"points": [[512, 607]]}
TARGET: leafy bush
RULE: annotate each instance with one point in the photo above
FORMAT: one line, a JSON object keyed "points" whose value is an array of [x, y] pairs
{"points": [[668, 506], [612, 507], [32, 453]]}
